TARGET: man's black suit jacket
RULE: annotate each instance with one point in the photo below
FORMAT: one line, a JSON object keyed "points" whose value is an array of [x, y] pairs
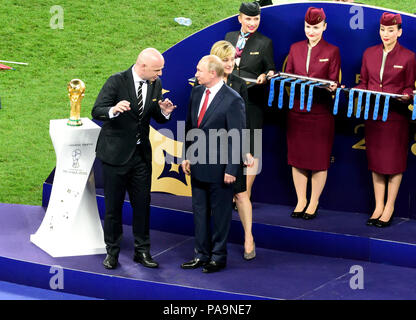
{"points": [[257, 56], [226, 111], [117, 141]]}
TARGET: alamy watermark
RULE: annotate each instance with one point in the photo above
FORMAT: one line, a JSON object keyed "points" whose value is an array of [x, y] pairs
{"points": [[357, 20], [357, 280], [213, 146], [57, 19], [57, 280]]}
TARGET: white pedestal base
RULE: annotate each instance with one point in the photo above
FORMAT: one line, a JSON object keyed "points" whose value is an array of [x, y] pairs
{"points": [[72, 225]]}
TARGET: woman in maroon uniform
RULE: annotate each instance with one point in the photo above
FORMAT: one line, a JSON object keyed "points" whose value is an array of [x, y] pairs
{"points": [[388, 67], [310, 135]]}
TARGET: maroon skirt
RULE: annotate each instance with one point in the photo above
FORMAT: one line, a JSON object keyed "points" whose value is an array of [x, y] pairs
{"points": [[387, 145], [310, 137]]}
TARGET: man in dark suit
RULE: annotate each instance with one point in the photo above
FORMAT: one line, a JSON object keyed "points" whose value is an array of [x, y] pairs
{"points": [[125, 104], [216, 112]]}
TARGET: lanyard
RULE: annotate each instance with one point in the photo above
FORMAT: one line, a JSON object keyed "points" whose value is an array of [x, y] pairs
{"points": [[336, 101], [310, 97], [376, 106], [292, 92], [282, 86], [302, 94], [359, 104], [271, 92]]}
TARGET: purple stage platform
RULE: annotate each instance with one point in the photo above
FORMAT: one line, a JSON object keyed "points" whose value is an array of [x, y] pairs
{"points": [[280, 271]]}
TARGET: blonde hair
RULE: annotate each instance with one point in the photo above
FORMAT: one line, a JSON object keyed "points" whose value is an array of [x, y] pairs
{"points": [[223, 49]]}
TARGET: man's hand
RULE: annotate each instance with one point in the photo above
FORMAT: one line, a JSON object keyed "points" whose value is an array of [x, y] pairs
{"points": [[166, 106], [228, 178], [120, 107], [186, 167]]}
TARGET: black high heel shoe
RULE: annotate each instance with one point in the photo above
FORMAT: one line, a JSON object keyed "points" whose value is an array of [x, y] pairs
{"points": [[309, 216], [298, 214], [372, 221], [383, 224]]}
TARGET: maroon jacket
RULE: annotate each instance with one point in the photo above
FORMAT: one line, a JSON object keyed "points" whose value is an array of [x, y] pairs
{"points": [[325, 63], [399, 71], [399, 74]]}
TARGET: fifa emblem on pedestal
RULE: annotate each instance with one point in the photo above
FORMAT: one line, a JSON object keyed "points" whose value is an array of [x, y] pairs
{"points": [[76, 155], [76, 91]]}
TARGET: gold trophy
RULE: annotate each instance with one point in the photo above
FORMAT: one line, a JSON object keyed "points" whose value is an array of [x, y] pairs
{"points": [[76, 91]]}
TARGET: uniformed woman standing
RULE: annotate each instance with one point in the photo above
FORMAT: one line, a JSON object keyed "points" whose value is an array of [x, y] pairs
{"points": [[310, 135], [388, 67], [254, 59]]}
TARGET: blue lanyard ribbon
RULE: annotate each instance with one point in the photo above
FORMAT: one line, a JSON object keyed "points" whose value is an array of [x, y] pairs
{"points": [[376, 106], [336, 100], [367, 105], [414, 108], [292, 92], [310, 97], [282, 86], [351, 103], [271, 92], [302, 94], [386, 107], [359, 104]]}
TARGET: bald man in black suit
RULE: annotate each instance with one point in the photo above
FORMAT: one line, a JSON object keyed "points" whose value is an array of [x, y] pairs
{"points": [[125, 104]]}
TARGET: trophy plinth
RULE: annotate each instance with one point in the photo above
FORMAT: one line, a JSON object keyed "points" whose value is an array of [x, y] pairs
{"points": [[76, 91]]}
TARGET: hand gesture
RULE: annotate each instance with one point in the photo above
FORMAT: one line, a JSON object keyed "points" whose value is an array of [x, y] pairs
{"points": [[166, 106], [121, 107]]}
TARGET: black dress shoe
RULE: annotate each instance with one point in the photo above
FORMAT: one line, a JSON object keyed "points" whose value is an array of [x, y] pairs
{"points": [[213, 266], [194, 264], [145, 259], [110, 262]]}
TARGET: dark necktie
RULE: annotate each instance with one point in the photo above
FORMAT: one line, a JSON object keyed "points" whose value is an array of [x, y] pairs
{"points": [[140, 105], [204, 107], [140, 99]]}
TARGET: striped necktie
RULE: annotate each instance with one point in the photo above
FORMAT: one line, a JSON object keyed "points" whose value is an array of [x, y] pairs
{"points": [[140, 99]]}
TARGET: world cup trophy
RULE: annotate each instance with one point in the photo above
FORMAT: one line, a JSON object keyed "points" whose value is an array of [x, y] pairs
{"points": [[76, 91]]}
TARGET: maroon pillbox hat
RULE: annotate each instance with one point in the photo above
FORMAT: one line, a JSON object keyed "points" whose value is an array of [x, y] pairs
{"points": [[390, 19], [315, 15]]}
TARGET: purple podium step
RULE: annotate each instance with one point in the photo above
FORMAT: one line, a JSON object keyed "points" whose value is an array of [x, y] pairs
{"points": [[332, 234], [273, 274]]}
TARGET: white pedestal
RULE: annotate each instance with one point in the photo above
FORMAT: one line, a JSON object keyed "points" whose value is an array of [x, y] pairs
{"points": [[72, 225]]}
